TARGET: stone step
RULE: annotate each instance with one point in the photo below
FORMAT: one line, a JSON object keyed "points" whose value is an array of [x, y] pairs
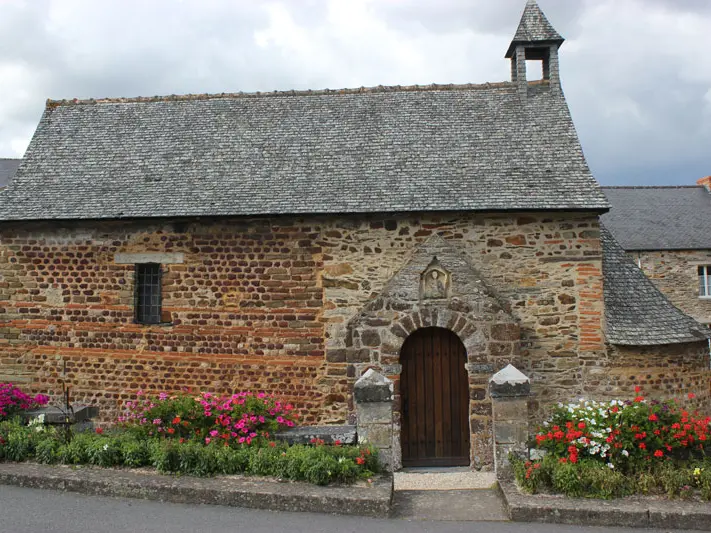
{"points": [[460, 505]]}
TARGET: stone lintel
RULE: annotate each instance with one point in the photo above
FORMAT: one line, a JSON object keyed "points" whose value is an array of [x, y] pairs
{"points": [[149, 257]]}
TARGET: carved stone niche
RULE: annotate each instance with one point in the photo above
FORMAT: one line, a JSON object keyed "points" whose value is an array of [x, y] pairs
{"points": [[435, 282]]}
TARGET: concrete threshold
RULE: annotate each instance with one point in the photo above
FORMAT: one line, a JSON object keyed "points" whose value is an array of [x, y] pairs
{"points": [[633, 511], [373, 499]]}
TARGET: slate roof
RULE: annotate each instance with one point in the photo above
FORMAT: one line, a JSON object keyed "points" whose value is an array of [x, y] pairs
{"points": [[8, 167], [659, 218], [434, 148], [534, 28], [636, 312]]}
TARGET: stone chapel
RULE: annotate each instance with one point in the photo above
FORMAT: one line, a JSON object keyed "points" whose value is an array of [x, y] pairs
{"points": [[290, 241]]}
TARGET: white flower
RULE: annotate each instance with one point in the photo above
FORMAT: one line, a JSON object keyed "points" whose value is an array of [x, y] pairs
{"points": [[625, 453], [106, 447], [610, 465]]}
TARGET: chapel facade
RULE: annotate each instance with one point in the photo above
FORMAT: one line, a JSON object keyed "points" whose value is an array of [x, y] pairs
{"points": [[290, 241]]}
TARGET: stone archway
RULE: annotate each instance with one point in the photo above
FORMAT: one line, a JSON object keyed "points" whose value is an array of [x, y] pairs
{"points": [[464, 305]]}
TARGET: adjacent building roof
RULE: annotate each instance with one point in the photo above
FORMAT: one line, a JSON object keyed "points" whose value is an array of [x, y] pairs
{"points": [[636, 312], [434, 148], [659, 218], [8, 167], [534, 28]]}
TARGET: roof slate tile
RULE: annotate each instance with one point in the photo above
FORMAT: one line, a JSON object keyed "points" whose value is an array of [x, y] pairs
{"points": [[439, 148]]}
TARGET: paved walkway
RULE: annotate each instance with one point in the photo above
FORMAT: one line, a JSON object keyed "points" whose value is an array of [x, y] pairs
{"points": [[451, 494]]}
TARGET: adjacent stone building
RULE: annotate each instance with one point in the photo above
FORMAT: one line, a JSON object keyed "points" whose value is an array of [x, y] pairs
{"points": [[291, 241], [667, 231]]}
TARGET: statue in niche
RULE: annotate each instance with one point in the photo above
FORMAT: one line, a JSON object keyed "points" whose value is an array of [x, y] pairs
{"points": [[435, 282]]}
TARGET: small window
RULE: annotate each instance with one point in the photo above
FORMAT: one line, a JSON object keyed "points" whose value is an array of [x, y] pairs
{"points": [[705, 281], [148, 293]]}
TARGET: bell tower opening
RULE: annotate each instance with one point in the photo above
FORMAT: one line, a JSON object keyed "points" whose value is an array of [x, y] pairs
{"points": [[534, 49]]}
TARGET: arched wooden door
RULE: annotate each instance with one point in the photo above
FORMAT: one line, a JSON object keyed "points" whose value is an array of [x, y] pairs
{"points": [[434, 389]]}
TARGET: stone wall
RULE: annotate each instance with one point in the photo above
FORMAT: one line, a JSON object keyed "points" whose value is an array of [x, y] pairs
{"points": [[675, 273], [273, 304], [663, 372]]}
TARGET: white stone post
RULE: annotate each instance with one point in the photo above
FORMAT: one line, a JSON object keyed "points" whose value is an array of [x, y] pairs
{"points": [[509, 390]]}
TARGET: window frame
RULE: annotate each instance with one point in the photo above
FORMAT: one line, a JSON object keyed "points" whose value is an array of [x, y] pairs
{"points": [[148, 277], [704, 276]]}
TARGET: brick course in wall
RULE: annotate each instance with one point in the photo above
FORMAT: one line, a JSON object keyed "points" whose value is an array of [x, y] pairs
{"points": [[271, 304]]}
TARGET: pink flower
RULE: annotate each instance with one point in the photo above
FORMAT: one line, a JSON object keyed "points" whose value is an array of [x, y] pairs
{"points": [[214, 433], [207, 440]]}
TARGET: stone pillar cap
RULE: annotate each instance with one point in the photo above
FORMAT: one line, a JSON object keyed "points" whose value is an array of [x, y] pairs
{"points": [[509, 381], [509, 374], [373, 387]]}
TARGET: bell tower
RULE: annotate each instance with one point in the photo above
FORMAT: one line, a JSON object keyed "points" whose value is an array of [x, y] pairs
{"points": [[535, 39]]}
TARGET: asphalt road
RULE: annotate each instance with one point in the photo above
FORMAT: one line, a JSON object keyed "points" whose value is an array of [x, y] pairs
{"points": [[38, 511]]}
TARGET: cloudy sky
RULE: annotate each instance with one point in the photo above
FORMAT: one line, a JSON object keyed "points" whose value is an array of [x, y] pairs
{"points": [[634, 71]]}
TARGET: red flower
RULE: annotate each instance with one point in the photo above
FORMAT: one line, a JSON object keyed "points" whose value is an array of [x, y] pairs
{"points": [[99, 431], [653, 417], [637, 389], [691, 396], [360, 460], [176, 420], [581, 425], [659, 453], [639, 399], [171, 430], [642, 446], [563, 460], [573, 458], [272, 444]]}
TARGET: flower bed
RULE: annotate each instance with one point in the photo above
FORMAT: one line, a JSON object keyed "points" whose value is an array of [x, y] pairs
{"points": [[13, 400], [617, 448], [194, 434]]}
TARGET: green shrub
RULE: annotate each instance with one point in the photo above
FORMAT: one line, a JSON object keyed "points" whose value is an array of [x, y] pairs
{"points": [[47, 450], [321, 472], [76, 452], [703, 480], [19, 444], [567, 479], [532, 476], [232, 461], [196, 459], [165, 456], [675, 479], [600, 481], [647, 483], [104, 451], [134, 452]]}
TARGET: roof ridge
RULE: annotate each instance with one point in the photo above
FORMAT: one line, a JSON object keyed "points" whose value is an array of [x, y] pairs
{"points": [[306, 92]]}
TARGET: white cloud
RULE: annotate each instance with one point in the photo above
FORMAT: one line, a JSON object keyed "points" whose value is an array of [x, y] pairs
{"points": [[632, 71]]}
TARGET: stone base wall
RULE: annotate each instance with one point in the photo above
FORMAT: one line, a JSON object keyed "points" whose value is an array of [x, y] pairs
{"points": [[675, 273], [664, 372]]}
